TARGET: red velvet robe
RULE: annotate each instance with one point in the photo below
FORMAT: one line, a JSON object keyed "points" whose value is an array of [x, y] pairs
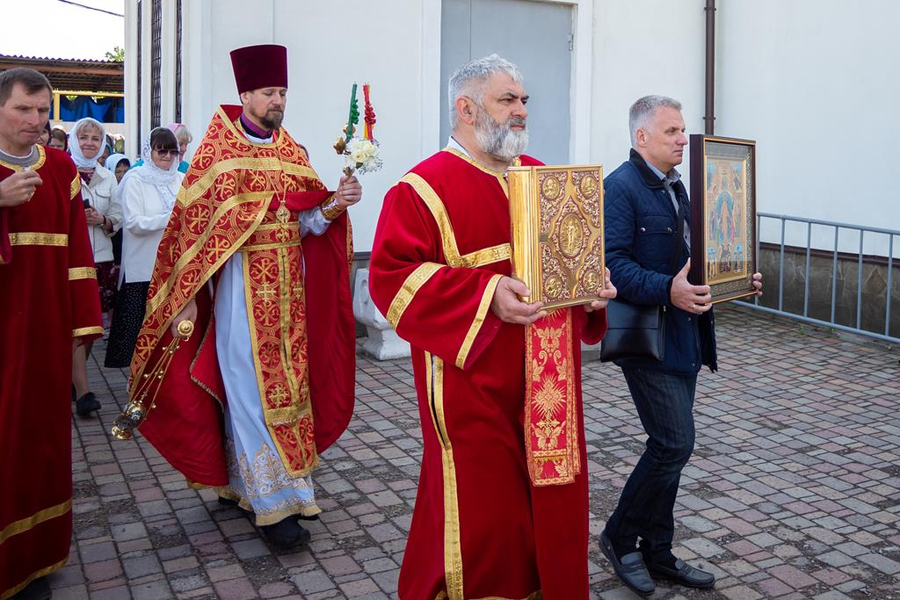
{"points": [[48, 296], [480, 528]]}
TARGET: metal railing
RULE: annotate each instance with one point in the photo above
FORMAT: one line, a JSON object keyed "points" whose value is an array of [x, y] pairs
{"points": [[891, 233]]}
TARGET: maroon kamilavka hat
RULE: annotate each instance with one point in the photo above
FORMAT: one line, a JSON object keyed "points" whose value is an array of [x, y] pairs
{"points": [[260, 66]]}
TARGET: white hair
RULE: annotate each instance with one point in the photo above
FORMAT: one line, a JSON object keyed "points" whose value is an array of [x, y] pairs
{"points": [[644, 109], [182, 134], [469, 80]]}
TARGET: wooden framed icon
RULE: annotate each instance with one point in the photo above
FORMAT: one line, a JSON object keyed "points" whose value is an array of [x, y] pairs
{"points": [[723, 215]]}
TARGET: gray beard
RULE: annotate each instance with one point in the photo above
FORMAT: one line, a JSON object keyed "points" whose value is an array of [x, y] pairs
{"points": [[497, 139]]}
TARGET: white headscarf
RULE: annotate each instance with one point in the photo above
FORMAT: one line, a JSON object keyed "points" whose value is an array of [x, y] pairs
{"points": [[77, 156], [113, 161], [148, 172]]}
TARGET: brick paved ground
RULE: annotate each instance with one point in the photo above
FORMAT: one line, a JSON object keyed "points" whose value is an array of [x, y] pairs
{"points": [[793, 491]]}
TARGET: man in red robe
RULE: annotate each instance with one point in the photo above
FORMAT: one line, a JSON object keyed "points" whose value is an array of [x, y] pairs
{"points": [[49, 305], [257, 255], [487, 522]]}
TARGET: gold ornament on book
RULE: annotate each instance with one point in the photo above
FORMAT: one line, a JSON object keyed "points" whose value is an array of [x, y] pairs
{"points": [[557, 232], [141, 400]]}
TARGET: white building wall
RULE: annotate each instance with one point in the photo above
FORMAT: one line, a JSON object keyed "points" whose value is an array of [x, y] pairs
{"points": [[330, 46], [811, 80], [333, 44], [816, 83], [644, 47]]}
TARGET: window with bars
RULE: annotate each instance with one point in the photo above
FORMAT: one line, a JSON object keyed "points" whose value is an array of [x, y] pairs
{"points": [[156, 63]]}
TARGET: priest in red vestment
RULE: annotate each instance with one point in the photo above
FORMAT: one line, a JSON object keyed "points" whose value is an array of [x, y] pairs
{"points": [[492, 520], [256, 254], [49, 304]]}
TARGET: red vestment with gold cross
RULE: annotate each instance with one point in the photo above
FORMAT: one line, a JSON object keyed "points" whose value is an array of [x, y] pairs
{"points": [[481, 527], [239, 196], [49, 297]]}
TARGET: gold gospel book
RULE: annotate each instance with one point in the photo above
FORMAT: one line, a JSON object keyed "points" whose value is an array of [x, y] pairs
{"points": [[557, 232]]}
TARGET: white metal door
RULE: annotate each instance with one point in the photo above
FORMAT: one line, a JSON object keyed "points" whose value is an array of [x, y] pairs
{"points": [[537, 37]]}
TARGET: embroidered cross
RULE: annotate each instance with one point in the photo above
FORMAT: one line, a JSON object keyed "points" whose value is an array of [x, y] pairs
{"points": [[297, 288], [277, 394], [266, 291]]}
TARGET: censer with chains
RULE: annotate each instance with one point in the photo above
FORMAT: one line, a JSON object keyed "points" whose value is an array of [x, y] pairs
{"points": [[139, 405]]}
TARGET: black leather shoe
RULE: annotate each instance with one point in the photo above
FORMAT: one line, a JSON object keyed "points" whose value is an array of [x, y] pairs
{"points": [[39, 589], [87, 404], [630, 568], [684, 574], [234, 504], [286, 533]]}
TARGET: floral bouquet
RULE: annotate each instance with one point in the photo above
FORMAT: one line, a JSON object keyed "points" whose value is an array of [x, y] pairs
{"points": [[362, 154]]}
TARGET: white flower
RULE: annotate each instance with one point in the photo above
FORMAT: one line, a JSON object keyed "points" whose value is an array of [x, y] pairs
{"points": [[363, 154]]}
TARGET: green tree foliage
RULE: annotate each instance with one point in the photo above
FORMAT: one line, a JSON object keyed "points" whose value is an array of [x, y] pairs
{"points": [[116, 54]]}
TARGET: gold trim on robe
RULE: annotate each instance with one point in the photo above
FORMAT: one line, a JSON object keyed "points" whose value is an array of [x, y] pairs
{"points": [[36, 575], [475, 327], [42, 158], [453, 565], [271, 246], [254, 165], [75, 187], [87, 331], [29, 238], [501, 177], [82, 273], [487, 256], [418, 278], [434, 203], [23, 525]]}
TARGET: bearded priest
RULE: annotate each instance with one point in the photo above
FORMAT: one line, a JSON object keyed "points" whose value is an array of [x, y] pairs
{"points": [[49, 305], [256, 254], [487, 523]]}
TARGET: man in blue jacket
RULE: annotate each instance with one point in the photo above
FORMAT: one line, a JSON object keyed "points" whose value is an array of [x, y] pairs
{"points": [[644, 199]]}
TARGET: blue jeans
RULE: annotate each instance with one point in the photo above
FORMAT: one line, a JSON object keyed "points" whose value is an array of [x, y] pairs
{"points": [[665, 403]]}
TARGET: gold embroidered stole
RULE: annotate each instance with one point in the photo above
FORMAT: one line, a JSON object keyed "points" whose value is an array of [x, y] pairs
{"points": [[276, 310], [551, 418]]}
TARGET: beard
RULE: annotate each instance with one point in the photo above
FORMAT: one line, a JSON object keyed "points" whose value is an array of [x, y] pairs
{"points": [[498, 139], [272, 119]]}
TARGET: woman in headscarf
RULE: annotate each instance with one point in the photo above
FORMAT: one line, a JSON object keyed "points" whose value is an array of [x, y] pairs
{"points": [[118, 164], [104, 216], [147, 194], [59, 139], [107, 149]]}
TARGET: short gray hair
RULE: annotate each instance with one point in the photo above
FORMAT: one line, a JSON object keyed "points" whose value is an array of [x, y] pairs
{"points": [[469, 79], [644, 109]]}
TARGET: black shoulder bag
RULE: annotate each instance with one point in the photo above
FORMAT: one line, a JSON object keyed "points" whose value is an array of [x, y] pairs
{"points": [[639, 330]]}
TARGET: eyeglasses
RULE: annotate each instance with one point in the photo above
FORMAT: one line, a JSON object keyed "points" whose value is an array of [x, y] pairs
{"points": [[164, 152]]}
